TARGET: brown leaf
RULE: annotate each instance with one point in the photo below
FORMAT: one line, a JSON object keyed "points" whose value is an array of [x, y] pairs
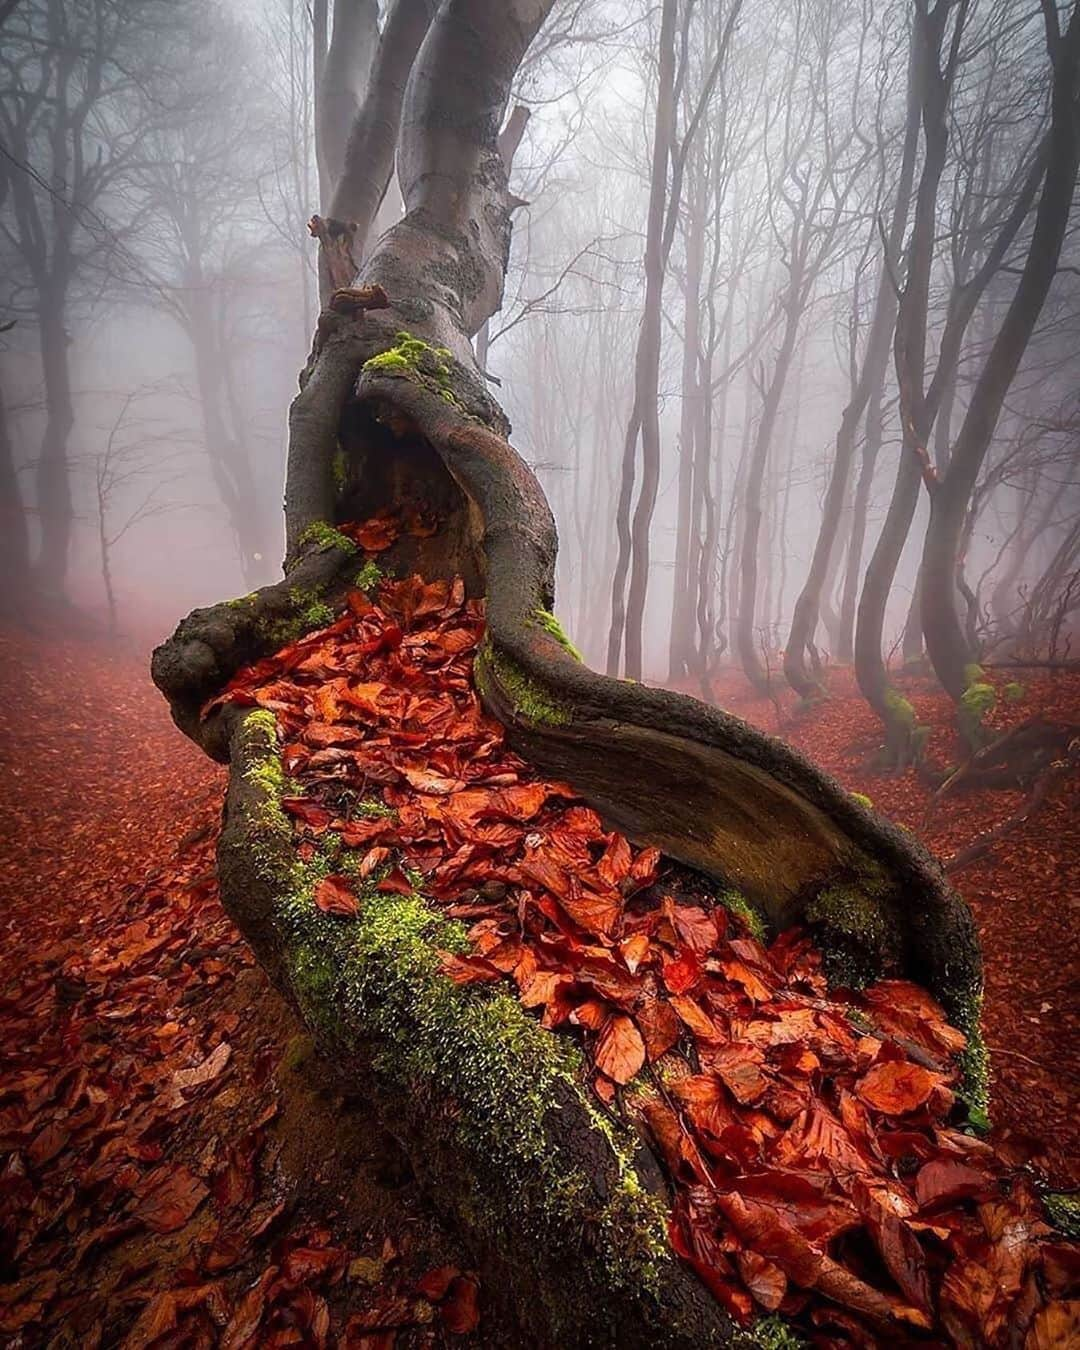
{"points": [[335, 895], [896, 1087], [620, 1051]]}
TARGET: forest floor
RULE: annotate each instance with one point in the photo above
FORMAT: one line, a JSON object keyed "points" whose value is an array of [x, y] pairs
{"points": [[167, 1140]]}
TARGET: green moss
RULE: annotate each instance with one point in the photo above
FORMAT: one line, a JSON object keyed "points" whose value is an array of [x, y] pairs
{"points": [[320, 535], [339, 468], [369, 576], [473, 1060], [1063, 1211], [899, 709], [857, 932], [975, 702], [529, 699], [414, 359], [974, 1089], [862, 799], [1014, 692], [973, 673], [736, 903], [298, 1050], [773, 1333], [550, 624], [243, 601]]}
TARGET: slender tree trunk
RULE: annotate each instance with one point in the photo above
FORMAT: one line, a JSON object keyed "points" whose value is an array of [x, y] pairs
{"points": [[14, 534], [53, 481], [647, 366], [873, 433], [746, 636], [868, 385], [681, 641]]}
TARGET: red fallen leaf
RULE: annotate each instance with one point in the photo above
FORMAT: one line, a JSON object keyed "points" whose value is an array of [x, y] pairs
{"points": [[593, 913], [426, 780], [896, 1087], [460, 1313], [593, 1013], [620, 1050], [682, 974], [316, 817], [304, 1263], [739, 1066], [395, 883], [248, 1314], [634, 950], [1055, 1327], [645, 867], [899, 1247], [766, 1281], [434, 1283], [760, 1227], [944, 1180], [212, 1067], [159, 1317], [375, 536], [695, 1018], [371, 861], [468, 969], [616, 862], [659, 1026], [170, 1198], [335, 895], [47, 1143], [695, 928]]}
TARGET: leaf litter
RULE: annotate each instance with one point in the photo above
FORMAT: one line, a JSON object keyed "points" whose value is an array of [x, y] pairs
{"points": [[812, 1137]]}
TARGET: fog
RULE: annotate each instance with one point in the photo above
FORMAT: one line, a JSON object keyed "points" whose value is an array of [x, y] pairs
{"points": [[163, 235]]}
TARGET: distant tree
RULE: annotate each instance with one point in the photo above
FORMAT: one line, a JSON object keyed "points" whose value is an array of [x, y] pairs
{"points": [[76, 106]]}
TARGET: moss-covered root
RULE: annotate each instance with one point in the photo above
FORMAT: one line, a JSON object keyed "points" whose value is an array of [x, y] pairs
{"points": [[496, 1109], [502, 682], [905, 740]]}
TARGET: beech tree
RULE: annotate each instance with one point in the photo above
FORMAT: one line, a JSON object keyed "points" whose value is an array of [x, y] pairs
{"points": [[391, 394]]}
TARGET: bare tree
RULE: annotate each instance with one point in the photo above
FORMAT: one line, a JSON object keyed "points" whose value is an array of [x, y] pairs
{"points": [[418, 429], [951, 490], [66, 68]]}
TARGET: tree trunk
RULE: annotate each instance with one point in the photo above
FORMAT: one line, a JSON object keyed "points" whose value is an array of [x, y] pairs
{"points": [[53, 480], [745, 633], [681, 636], [565, 1203], [14, 535], [873, 435], [647, 363], [945, 640]]}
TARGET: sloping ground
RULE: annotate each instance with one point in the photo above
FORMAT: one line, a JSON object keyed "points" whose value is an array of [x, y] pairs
{"points": [[170, 1152], [147, 1174], [1025, 894]]}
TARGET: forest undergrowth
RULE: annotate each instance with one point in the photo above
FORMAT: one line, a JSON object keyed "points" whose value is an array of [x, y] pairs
{"points": [[170, 1143]]}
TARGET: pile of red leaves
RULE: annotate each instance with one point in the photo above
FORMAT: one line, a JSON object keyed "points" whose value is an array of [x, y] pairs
{"points": [[1023, 894], [808, 1134], [165, 1179]]}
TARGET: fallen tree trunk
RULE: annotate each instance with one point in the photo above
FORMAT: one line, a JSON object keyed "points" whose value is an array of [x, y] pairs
{"points": [[393, 415]]}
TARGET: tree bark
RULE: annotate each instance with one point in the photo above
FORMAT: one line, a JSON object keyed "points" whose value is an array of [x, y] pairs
{"points": [[565, 1205], [14, 535], [54, 503]]}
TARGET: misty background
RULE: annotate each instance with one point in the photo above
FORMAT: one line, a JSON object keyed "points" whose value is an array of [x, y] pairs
{"points": [[158, 288]]}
